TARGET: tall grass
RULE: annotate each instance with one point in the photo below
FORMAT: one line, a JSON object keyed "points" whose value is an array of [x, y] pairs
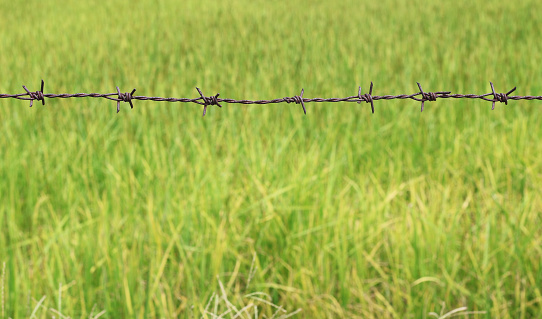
{"points": [[345, 214]]}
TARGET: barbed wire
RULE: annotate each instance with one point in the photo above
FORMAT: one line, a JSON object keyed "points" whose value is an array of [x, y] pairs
{"points": [[298, 99]]}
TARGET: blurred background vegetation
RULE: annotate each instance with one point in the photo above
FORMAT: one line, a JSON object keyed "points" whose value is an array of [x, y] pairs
{"points": [[340, 213]]}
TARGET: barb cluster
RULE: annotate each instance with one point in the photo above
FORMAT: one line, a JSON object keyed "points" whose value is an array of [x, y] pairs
{"points": [[206, 101]]}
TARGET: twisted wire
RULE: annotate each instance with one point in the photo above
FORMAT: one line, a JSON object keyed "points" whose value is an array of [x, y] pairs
{"points": [[206, 101]]}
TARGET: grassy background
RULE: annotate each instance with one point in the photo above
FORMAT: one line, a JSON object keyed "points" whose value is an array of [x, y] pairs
{"points": [[344, 213]]}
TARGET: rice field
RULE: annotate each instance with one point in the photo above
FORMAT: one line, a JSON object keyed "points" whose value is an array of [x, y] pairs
{"points": [[262, 211]]}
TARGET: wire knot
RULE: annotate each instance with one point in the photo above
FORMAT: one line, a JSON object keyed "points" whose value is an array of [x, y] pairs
{"points": [[500, 97], [367, 97], [124, 97], [38, 95], [208, 100], [428, 96], [297, 99]]}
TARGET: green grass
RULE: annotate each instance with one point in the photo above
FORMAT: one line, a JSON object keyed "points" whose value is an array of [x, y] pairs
{"points": [[341, 213]]}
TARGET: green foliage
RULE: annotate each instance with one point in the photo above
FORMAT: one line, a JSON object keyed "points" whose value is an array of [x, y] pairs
{"points": [[345, 214]]}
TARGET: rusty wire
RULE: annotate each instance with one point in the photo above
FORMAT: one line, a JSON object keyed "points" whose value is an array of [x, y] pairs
{"points": [[298, 99]]}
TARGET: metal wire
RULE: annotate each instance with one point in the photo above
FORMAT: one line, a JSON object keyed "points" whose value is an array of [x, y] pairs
{"points": [[420, 96]]}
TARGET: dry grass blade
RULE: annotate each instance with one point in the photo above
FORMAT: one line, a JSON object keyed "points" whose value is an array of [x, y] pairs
{"points": [[461, 311], [33, 315]]}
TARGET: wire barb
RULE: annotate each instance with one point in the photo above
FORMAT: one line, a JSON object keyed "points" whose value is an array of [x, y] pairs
{"points": [[208, 100], [38, 95], [298, 99], [500, 97], [429, 96], [367, 97], [124, 97]]}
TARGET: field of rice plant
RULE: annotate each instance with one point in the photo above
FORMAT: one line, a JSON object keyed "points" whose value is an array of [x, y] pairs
{"points": [[262, 211]]}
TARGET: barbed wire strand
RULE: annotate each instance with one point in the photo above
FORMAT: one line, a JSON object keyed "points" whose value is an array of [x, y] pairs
{"points": [[206, 101]]}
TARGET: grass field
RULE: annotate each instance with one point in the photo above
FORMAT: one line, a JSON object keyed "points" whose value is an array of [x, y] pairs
{"points": [[157, 212]]}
